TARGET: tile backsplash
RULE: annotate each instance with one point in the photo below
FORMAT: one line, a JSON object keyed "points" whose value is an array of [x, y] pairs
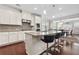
{"points": [[13, 28]]}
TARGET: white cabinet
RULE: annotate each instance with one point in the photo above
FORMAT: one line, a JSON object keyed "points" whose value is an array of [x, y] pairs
{"points": [[1, 18], [19, 19], [9, 16], [15, 18], [21, 35], [7, 37], [4, 17], [26, 15], [33, 21], [12, 18], [13, 36], [37, 19], [37, 23], [33, 18], [4, 37]]}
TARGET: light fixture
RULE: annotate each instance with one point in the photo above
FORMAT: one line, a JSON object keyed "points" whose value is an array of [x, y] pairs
{"points": [[53, 16], [44, 12], [60, 8], [35, 8]]}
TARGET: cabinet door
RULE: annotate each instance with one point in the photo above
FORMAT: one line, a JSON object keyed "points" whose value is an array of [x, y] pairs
{"points": [[21, 35], [9, 16], [37, 19], [26, 15], [19, 18], [15, 18], [13, 36], [1, 18], [4, 37], [33, 21], [4, 17]]}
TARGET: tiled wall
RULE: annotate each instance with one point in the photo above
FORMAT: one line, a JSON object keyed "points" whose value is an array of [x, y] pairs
{"points": [[9, 28], [13, 28], [26, 27]]}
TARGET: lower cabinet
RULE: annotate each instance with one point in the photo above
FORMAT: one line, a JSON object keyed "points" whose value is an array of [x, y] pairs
{"points": [[6, 37]]}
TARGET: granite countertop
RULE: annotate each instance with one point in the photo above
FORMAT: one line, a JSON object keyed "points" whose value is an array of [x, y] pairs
{"points": [[35, 33]]}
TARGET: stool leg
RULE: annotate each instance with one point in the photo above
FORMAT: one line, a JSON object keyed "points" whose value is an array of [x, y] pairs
{"points": [[58, 43], [47, 49]]}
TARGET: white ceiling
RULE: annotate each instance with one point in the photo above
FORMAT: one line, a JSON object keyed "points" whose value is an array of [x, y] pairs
{"points": [[67, 9]]}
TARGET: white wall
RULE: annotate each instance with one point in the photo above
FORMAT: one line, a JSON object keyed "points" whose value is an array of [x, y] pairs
{"points": [[73, 24], [76, 28]]}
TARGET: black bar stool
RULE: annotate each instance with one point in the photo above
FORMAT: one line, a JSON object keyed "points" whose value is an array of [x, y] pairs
{"points": [[57, 36], [56, 45], [47, 39], [62, 38], [62, 33]]}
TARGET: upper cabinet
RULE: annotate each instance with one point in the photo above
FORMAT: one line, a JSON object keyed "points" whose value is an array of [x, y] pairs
{"points": [[37, 19], [9, 16], [33, 21], [15, 18], [26, 15], [37, 23], [4, 17]]}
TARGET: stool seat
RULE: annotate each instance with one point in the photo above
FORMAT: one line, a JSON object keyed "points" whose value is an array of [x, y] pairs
{"points": [[58, 35], [48, 38], [62, 34]]}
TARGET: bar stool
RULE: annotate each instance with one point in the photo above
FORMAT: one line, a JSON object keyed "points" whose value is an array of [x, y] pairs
{"points": [[48, 39], [57, 45], [62, 33], [62, 38], [57, 36]]}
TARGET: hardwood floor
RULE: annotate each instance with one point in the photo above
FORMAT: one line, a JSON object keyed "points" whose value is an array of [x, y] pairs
{"points": [[15, 48], [68, 50], [71, 49]]}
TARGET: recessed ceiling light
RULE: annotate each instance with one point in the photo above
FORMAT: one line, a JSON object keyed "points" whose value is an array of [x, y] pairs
{"points": [[35, 8], [53, 16], [60, 8], [44, 11]]}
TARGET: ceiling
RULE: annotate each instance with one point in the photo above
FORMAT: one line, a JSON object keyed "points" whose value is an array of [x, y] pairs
{"points": [[58, 11]]}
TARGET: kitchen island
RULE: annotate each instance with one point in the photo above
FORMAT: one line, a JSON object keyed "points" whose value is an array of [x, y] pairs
{"points": [[33, 41]]}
